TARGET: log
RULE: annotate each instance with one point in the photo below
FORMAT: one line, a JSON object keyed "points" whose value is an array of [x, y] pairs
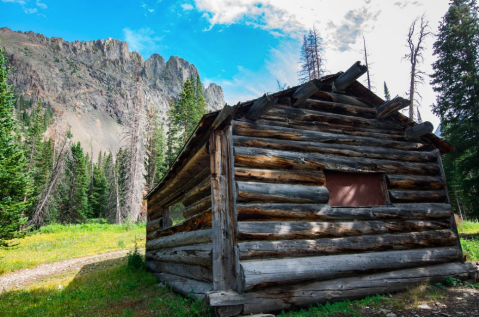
{"points": [[154, 225], [419, 130], [275, 132], [340, 98], [180, 239], [338, 108], [304, 295], [280, 176], [348, 77], [196, 272], [390, 107], [253, 192], [260, 106], [368, 243], [198, 207], [305, 91], [191, 254], [269, 211], [417, 196], [198, 222], [200, 191], [285, 230], [186, 287], [305, 115], [192, 173], [276, 159], [339, 149], [225, 298], [225, 261], [264, 273], [414, 182]]}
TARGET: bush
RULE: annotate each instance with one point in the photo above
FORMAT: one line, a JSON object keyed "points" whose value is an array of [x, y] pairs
{"points": [[135, 261]]}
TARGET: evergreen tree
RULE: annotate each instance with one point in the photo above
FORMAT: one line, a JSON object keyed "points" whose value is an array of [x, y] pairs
{"points": [[14, 183], [99, 196], [387, 95], [456, 82], [73, 201]]}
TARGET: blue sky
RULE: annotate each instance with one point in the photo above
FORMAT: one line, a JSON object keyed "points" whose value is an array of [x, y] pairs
{"points": [[245, 45]]}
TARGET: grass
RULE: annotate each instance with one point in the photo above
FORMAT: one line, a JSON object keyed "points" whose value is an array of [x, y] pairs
{"points": [[468, 227], [347, 308], [108, 288], [57, 242], [470, 245]]}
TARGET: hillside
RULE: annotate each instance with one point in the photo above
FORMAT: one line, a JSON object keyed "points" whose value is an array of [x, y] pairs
{"points": [[94, 82]]}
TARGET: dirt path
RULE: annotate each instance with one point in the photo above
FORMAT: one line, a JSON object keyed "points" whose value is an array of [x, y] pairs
{"points": [[21, 277]]}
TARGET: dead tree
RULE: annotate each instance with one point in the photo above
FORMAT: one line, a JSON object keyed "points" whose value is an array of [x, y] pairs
{"points": [[366, 55], [312, 57], [415, 43]]}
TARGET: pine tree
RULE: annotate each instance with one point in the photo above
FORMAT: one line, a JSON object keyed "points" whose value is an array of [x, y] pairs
{"points": [[456, 82], [98, 199], [14, 183], [387, 95], [312, 57]]}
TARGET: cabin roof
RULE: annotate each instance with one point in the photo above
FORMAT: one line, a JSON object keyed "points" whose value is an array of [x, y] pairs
{"points": [[213, 120]]}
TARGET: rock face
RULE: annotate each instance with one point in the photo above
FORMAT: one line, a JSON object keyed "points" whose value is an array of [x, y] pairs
{"points": [[95, 82]]}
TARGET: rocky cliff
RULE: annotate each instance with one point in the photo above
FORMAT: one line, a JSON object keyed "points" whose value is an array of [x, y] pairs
{"points": [[95, 82]]}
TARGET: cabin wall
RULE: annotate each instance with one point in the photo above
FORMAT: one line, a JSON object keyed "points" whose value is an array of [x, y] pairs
{"points": [[180, 255], [294, 248]]}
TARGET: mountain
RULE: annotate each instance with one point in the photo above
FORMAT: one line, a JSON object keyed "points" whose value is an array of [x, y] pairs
{"points": [[95, 83]]}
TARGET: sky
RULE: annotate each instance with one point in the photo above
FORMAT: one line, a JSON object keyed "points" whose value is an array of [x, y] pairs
{"points": [[246, 46]]}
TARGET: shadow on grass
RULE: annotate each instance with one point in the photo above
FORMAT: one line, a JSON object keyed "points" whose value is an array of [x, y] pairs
{"points": [[469, 236], [107, 288]]}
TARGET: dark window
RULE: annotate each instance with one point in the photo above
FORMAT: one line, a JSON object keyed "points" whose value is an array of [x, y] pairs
{"points": [[356, 189]]}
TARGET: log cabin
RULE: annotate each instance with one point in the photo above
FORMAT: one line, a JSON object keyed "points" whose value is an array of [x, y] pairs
{"points": [[321, 192]]}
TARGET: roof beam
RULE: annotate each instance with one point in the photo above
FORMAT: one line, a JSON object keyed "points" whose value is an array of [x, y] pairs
{"points": [[390, 107], [419, 130], [305, 91], [260, 106], [348, 77]]}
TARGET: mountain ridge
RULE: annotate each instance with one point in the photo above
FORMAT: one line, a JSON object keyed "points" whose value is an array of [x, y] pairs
{"points": [[95, 82]]}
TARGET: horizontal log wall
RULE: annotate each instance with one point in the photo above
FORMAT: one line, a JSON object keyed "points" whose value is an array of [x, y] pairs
{"points": [[289, 235]]}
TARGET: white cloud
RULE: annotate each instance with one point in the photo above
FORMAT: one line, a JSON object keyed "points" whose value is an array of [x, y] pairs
{"points": [[41, 5], [187, 7], [24, 4], [142, 40], [30, 10]]}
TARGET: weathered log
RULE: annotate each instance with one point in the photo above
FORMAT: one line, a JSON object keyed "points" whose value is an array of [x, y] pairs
{"points": [[315, 116], [277, 230], [180, 239], [192, 254], [198, 222], [338, 108], [305, 91], [368, 243], [414, 182], [184, 286], [268, 211], [276, 159], [340, 98], [339, 149], [252, 191], [225, 298], [225, 261], [279, 176], [304, 295], [348, 77], [417, 196], [195, 272], [275, 132], [419, 130], [198, 207], [192, 173], [200, 191], [260, 106], [390, 107], [154, 225], [263, 273]]}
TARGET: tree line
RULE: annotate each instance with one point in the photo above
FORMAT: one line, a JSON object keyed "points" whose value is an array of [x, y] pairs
{"points": [[45, 177]]}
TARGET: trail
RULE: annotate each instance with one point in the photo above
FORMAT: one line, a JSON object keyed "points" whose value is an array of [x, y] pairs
{"points": [[19, 278]]}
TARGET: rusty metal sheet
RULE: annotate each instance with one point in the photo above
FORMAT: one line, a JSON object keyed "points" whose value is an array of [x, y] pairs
{"points": [[355, 189]]}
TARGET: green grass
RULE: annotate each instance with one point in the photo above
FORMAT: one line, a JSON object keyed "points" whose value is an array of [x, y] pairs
{"points": [[471, 248], [346, 308], [58, 242], [468, 227], [108, 288]]}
